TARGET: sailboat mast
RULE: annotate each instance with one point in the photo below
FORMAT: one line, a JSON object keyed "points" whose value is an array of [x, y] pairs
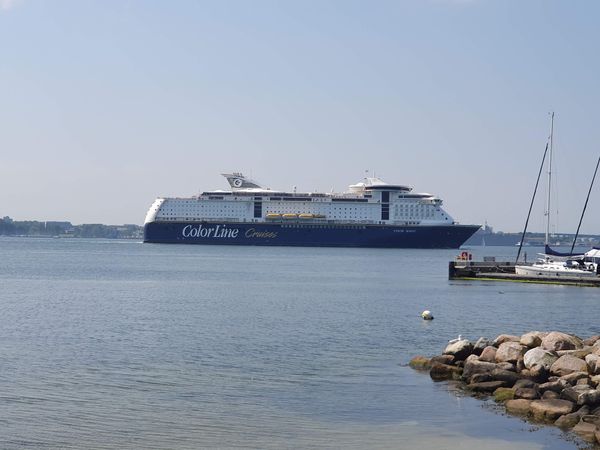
{"points": [[549, 180]]}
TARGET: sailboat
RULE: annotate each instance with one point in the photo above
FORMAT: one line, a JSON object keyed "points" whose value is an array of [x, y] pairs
{"points": [[552, 263]]}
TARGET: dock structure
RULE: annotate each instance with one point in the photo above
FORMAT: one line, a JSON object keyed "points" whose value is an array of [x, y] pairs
{"points": [[505, 271]]}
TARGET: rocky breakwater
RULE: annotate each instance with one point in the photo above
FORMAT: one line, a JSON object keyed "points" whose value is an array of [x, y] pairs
{"points": [[549, 377]]}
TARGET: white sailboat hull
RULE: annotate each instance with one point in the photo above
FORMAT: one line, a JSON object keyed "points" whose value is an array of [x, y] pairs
{"points": [[553, 271]]}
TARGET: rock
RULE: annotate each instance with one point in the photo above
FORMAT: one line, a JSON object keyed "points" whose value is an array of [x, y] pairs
{"points": [[503, 394], [519, 406], [524, 383], [555, 341], [591, 340], [550, 410], [595, 380], [460, 349], [507, 366], [570, 420], [420, 363], [581, 395], [510, 378], [593, 362], [510, 352], [488, 354], [578, 353], [597, 435], [481, 377], [505, 338], [539, 357], [585, 430], [527, 393], [473, 366], [532, 339], [480, 345], [584, 382], [568, 364], [555, 386], [549, 395], [572, 378], [439, 372], [443, 359], [486, 386]]}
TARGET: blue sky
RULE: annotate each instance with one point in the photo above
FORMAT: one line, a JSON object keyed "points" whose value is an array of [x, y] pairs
{"points": [[105, 105]]}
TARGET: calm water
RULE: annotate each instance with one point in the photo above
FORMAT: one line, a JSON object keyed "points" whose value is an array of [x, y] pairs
{"points": [[111, 344]]}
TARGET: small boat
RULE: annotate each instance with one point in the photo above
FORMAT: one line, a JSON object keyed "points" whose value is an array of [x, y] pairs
{"points": [[272, 216], [306, 216], [547, 267], [289, 216]]}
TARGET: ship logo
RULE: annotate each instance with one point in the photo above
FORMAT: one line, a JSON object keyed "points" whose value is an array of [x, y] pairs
{"points": [[238, 182]]}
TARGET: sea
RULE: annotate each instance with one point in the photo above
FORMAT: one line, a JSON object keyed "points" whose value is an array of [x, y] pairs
{"points": [[117, 344]]}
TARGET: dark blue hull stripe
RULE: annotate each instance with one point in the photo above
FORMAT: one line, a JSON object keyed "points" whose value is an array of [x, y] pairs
{"points": [[308, 235]]}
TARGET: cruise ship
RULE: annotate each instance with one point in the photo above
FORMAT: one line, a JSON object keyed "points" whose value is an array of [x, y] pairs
{"points": [[371, 213]]}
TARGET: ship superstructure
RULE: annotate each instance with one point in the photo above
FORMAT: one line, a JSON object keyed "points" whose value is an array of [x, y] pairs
{"points": [[380, 215]]}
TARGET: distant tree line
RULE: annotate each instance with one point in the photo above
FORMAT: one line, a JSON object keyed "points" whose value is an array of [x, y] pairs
{"points": [[10, 227]]}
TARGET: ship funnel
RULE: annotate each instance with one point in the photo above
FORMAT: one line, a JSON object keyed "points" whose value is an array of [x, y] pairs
{"points": [[238, 181]]}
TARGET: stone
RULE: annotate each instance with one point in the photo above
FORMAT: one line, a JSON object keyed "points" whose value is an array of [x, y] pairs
{"points": [[532, 339], [503, 394], [460, 349], [595, 380], [548, 395], [519, 406], [556, 340], [420, 363], [505, 338], [584, 382], [550, 410], [539, 357], [507, 366], [504, 375], [525, 383], [510, 352], [572, 378], [581, 395], [440, 372], [443, 359], [480, 345], [486, 386], [488, 354], [481, 377], [473, 366], [597, 435], [578, 353], [527, 393], [570, 420], [593, 362], [567, 364], [591, 340], [585, 430], [555, 386]]}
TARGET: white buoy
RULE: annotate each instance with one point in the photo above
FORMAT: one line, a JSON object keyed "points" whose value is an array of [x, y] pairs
{"points": [[426, 315]]}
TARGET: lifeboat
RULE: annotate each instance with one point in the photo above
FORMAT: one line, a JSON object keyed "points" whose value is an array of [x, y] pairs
{"points": [[289, 216], [273, 216], [306, 216]]}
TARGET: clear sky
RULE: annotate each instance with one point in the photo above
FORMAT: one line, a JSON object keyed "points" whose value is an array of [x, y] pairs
{"points": [[105, 105]]}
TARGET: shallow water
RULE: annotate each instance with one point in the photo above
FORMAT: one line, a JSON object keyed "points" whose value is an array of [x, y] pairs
{"points": [[107, 344]]}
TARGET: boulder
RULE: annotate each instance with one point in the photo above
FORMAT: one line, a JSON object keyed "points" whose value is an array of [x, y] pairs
{"points": [[591, 340], [481, 377], [568, 364], [443, 359], [539, 357], [585, 430], [519, 406], [550, 410], [532, 339], [503, 394], [420, 363], [584, 382], [570, 420], [473, 366], [440, 372], [527, 393], [578, 353], [507, 366], [555, 341], [572, 378], [486, 386], [593, 362], [595, 380], [460, 349], [481, 344], [549, 395], [555, 386], [510, 352], [488, 354], [505, 338], [504, 375], [525, 383], [581, 395]]}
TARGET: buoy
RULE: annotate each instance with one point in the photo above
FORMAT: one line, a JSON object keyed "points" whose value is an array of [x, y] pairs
{"points": [[426, 315]]}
